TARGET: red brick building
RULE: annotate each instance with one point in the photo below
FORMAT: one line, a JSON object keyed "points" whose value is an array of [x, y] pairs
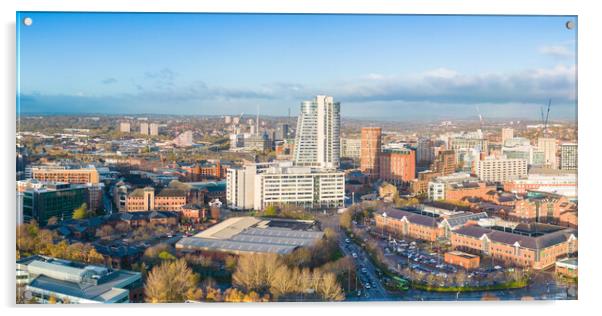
{"points": [[397, 165], [462, 259], [403, 223], [528, 245], [370, 148], [546, 208]]}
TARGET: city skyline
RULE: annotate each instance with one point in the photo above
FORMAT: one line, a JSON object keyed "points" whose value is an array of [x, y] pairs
{"points": [[115, 64]]}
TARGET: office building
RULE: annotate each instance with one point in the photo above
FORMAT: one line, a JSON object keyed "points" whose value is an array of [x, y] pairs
{"points": [[507, 133], [469, 141], [494, 169], [445, 163], [518, 148], [282, 132], [78, 176], [425, 151], [144, 128], [562, 182], [317, 142], [534, 245], [397, 166], [153, 129], [124, 127], [548, 147], [184, 139], [53, 200], [145, 199], [371, 143], [256, 186], [568, 156], [71, 282], [351, 148]]}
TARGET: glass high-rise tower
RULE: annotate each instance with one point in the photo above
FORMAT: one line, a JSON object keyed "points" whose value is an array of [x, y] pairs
{"points": [[317, 142]]}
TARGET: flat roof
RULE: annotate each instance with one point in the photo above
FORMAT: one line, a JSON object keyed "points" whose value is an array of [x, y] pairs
{"points": [[462, 254], [254, 235]]}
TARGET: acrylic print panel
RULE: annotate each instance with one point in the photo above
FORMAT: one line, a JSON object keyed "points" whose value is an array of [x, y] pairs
{"points": [[295, 157]]}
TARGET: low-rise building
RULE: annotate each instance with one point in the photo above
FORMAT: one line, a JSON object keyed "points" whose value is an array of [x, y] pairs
{"points": [[247, 234], [144, 199], [567, 267], [71, 282], [534, 245], [78, 176], [465, 260]]}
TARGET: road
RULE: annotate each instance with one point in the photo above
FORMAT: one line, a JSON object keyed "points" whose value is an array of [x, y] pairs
{"points": [[366, 272]]}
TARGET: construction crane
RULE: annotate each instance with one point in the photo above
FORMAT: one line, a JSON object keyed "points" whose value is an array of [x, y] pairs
{"points": [[544, 120]]}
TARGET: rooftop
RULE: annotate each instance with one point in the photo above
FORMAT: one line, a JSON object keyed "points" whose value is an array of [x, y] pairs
{"points": [[254, 235], [88, 282], [539, 240]]}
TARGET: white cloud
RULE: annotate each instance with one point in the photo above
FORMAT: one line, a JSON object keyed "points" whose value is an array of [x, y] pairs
{"points": [[560, 51]]}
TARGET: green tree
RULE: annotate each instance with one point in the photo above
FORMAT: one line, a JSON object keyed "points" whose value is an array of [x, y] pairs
{"points": [[270, 210]]}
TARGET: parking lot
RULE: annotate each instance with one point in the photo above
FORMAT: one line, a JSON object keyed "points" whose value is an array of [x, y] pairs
{"points": [[425, 258]]}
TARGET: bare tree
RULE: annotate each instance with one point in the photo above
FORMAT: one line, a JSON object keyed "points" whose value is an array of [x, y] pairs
{"points": [[329, 289], [255, 271]]}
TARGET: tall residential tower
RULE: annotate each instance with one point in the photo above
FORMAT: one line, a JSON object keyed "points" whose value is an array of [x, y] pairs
{"points": [[317, 142]]}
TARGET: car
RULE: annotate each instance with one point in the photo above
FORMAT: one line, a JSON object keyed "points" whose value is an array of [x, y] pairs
{"points": [[354, 255], [347, 240], [364, 270], [497, 267], [367, 285]]}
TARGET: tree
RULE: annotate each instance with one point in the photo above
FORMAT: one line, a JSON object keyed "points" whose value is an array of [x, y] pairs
{"points": [[81, 212], [345, 219], [255, 271], [52, 220], [94, 256], [329, 289], [233, 295], [171, 281], [270, 210], [155, 254], [105, 232], [283, 282], [122, 227]]}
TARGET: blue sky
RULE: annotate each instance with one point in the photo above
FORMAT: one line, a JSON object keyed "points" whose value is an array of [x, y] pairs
{"points": [[377, 66]]}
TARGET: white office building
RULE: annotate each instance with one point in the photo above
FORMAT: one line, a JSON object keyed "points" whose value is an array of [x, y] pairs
{"points": [[317, 141], [501, 169], [548, 147], [153, 129], [351, 147], [256, 186], [124, 127]]}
